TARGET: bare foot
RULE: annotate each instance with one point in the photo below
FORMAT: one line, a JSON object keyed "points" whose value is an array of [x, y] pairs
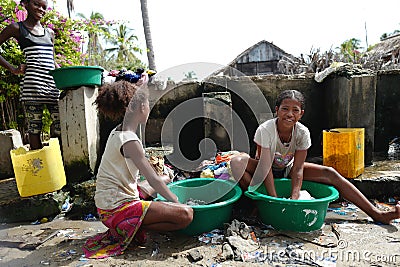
{"points": [[386, 217]]}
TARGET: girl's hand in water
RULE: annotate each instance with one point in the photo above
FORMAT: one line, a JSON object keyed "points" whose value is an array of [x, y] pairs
{"points": [[295, 195]]}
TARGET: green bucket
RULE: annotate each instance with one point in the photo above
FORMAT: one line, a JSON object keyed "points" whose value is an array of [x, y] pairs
{"points": [[76, 76], [294, 215], [221, 195]]}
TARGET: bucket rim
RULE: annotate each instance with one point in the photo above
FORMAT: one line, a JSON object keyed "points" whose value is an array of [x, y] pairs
{"points": [[235, 187], [334, 195], [76, 67]]}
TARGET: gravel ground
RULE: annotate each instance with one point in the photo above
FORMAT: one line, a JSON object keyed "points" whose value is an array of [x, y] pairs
{"points": [[348, 238]]}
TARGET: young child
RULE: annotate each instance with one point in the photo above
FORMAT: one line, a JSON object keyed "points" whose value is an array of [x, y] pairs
{"points": [[282, 145], [38, 87], [117, 197]]}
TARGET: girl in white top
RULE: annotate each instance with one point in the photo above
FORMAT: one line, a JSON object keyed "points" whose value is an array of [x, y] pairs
{"points": [[117, 197], [282, 145]]}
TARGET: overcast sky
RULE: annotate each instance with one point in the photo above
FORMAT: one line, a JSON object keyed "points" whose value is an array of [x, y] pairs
{"points": [[217, 31]]}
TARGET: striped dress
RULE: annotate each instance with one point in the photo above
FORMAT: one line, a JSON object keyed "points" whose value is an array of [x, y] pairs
{"points": [[37, 85]]}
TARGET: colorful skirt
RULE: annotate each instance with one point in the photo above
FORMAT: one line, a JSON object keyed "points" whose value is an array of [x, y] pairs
{"points": [[123, 223]]}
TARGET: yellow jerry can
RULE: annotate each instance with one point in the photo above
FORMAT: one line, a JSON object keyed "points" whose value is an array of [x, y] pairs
{"points": [[38, 171], [343, 149]]}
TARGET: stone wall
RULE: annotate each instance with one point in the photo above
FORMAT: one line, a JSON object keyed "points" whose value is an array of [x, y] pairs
{"points": [[336, 102], [387, 125], [9, 139], [314, 116], [245, 91], [350, 103], [370, 102]]}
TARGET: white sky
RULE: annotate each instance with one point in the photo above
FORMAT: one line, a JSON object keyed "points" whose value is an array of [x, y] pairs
{"points": [[217, 31]]}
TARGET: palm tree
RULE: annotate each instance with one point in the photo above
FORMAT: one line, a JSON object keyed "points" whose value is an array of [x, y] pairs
{"points": [[123, 45], [70, 7], [147, 35], [94, 50]]}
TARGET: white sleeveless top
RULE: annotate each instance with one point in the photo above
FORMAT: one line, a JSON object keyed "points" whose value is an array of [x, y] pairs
{"points": [[117, 176]]}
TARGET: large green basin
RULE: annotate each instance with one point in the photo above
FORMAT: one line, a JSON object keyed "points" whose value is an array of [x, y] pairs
{"points": [[76, 76], [221, 195], [294, 215]]}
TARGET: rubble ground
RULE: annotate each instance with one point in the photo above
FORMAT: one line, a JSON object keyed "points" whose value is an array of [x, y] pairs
{"points": [[348, 238]]}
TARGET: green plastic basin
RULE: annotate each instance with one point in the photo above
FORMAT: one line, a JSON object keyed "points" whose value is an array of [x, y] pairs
{"points": [[294, 215], [221, 195], [76, 76]]}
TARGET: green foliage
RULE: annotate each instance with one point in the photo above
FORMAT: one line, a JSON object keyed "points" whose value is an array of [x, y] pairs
{"points": [[9, 50], [47, 121], [70, 36], [94, 48], [68, 40], [349, 50], [121, 54], [69, 43], [386, 35], [190, 76]]}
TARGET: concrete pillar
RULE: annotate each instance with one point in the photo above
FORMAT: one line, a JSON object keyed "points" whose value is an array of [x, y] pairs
{"points": [[79, 131], [9, 139], [218, 123], [350, 103]]}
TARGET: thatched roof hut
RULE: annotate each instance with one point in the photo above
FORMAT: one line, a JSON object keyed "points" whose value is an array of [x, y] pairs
{"points": [[385, 53]]}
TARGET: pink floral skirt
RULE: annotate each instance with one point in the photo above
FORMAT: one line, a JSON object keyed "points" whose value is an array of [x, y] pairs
{"points": [[123, 223]]}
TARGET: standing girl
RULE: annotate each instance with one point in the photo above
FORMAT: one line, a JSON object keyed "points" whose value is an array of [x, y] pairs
{"points": [[282, 145], [38, 88], [117, 197]]}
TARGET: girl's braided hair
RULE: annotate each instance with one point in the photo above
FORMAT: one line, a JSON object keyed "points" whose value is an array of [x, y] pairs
{"points": [[114, 98]]}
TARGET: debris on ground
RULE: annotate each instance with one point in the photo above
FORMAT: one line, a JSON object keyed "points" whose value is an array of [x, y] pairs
{"points": [[195, 255]]}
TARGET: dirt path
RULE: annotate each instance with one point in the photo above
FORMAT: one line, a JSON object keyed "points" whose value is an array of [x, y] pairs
{"points": [[351, 238]]}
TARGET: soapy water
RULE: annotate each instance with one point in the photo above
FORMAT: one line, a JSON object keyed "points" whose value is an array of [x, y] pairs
{"points": [[394, 151], [199, 202], [195, 202]]}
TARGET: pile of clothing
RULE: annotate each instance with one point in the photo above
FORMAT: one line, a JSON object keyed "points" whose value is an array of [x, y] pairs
{"points": [[219, 167]]}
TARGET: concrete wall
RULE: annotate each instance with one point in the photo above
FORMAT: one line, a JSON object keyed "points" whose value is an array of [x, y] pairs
{"points": [[162, 104], [314, 116], [336, 102], [218, 120], [268, 87], [350, 103], [9, 139], [387, 124], [370, 102]]}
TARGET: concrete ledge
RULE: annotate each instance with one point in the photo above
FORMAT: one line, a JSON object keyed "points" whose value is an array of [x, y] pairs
{"points": [[14, 208], [380, 181], [379, 188]]}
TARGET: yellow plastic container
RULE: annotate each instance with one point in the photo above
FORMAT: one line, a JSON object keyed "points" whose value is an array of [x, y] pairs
{"points": [[38, 171], [343, 149]]}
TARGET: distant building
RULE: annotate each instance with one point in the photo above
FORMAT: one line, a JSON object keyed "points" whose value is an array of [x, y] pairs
{"points": [[385, 54], [259, 59]]}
